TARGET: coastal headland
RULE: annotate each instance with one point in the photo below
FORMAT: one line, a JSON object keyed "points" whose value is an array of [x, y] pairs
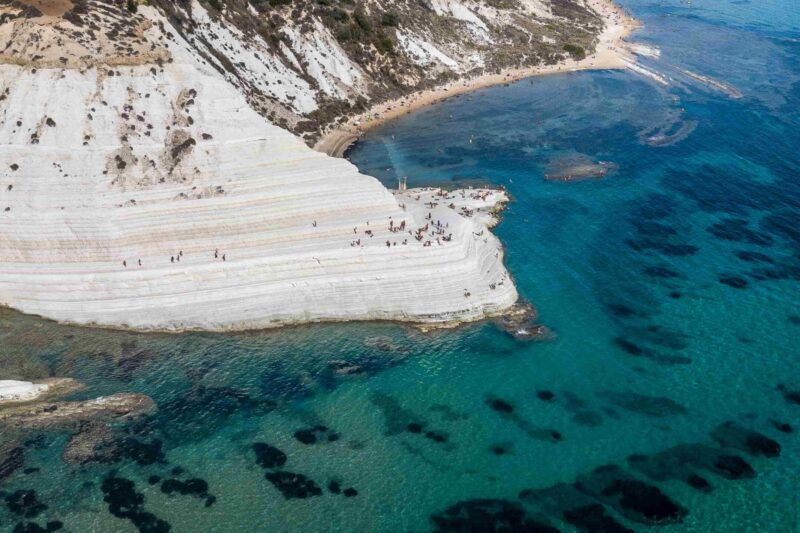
{"points": [[151, 194]]}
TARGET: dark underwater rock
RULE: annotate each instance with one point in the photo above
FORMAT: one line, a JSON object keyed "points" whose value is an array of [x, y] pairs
{"points": [[632, 498], [486, 515], [783, 427], [293, 486], [397, 418], [790, 395], [436, 436], [655, 206], [31, 527], [700, 483], [732, 435], [563, 501], [666, 248], [736, 229], [664, 337], [124, 502], [637, 350], [594, 518], [783, 224], [501, 406], [306, 436], [622, 310], [651, 228], [501, 448], [680, 462], [268, 456], [121, 496], [733, 467], [25, 503], [659, 336], [315, 434], [143, 453], [754, 257], [630, 347], [203, 410], [545, 395], [662, 272], [11, 460], [194, 487], [131, 358], [733, 281], [653, 406]]}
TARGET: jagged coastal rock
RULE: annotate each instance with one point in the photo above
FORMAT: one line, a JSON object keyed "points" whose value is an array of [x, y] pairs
{"points": [[42, 415], [145, 185]]}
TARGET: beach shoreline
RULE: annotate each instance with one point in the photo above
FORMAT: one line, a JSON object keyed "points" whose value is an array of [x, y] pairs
{"points": [[610, 54]]}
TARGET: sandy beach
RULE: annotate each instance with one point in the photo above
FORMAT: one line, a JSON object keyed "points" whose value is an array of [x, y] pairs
{"points": [[611, 53]]}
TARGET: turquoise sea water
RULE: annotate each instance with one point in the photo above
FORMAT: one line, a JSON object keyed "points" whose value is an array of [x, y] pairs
{"points": [[673, 286]]}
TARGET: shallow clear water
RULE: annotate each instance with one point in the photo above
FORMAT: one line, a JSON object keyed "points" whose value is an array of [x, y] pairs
{"points": [[672, 285]]}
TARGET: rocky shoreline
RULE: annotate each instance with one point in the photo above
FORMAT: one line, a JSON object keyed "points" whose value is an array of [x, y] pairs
{"points": [[49, 415], [611, 52]]}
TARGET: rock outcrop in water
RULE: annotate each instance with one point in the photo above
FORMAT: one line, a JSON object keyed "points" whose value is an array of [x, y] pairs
{"points": [[43, 415]]}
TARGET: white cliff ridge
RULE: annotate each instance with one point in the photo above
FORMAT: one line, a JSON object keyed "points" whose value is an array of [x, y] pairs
{"points": [[152, 196]]}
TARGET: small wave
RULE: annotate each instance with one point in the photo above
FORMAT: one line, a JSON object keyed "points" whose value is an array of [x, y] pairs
{"points": [[646, 72], [644, 50]]}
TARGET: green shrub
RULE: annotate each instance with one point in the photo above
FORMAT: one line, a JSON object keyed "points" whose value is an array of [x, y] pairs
{"points": [[577, 52], [339, 15], [390, 18], [132, 6], [384, 44], [352, 32], [362, 20]]}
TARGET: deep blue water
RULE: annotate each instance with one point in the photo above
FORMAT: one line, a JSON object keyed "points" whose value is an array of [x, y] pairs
{"points": [[671, 284]]}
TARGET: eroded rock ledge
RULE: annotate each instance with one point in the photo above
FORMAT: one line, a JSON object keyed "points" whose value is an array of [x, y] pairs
{"points": [[44, 415]]}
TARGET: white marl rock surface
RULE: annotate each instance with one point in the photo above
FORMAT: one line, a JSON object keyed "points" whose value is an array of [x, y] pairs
{"points": [[20, 391], [167, 165]]}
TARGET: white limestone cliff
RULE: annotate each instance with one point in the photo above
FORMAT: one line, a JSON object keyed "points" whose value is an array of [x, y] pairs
{"points": [[236, 222]]}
